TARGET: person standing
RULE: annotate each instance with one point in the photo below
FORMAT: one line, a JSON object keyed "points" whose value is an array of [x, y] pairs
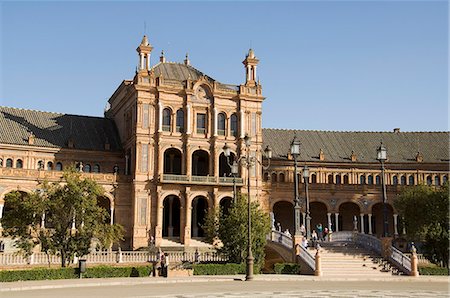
{"points": [[319, 231]]}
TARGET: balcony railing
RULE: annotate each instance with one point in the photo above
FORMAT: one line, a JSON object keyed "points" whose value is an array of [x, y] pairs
{"points": [[203, 180]]}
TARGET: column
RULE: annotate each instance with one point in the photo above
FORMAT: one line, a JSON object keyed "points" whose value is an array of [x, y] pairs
{"points": [[148, 61], [362, 223], [112, 215], [215, 122], [188, 119], [242, 132], [1, 214], [159, 221], [160, 108], [43, 220], [304, 218], [404, 228], [370, 223], [395, 224], [336, 217], [141, 66], [188, 222], [329, 221]]}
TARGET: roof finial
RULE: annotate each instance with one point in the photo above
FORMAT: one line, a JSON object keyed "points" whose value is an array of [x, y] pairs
{"points": [[186, 61], [162, 59]]}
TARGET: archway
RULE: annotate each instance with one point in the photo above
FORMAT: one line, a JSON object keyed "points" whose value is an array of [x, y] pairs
{"points": [[347, 213], [8, 206], [172, 161], [200, 163], [171, 217], [224, 168], [377, 219], [283, 212], [225, 205], [105, 203], [199, 211], [318, 212]]}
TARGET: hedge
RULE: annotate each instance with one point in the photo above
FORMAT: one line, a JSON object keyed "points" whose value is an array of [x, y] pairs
{"points": [[69, 273], [433, 271], [287, 268], [222, 269]]}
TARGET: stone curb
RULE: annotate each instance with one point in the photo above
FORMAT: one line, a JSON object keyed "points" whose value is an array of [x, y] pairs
{"points": [[98, 282]]}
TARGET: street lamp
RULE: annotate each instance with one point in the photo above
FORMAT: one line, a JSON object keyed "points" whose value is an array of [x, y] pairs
{"points": [[295, 152], [234, 168], [249, 161], [382, 157], [308, 216]]}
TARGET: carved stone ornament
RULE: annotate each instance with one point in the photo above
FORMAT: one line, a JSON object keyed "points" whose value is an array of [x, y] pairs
{"points": [[201, 93]]}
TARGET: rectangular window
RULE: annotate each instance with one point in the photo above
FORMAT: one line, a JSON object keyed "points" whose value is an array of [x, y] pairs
{"points": [[201, 123], [144, 158], [142, 211], [145, 114]]}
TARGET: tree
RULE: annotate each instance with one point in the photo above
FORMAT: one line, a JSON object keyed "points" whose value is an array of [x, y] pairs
{"points": [[232, 230], [426, 218], [72, 218]]}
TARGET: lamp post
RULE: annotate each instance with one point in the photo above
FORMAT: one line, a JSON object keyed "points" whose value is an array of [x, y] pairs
{"points": [[308, 216], [295, 152], [234, 168], [382, 157], [249, 161]]}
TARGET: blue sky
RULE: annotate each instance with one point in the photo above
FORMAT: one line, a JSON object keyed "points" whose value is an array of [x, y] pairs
{"points": [[324, 65]]}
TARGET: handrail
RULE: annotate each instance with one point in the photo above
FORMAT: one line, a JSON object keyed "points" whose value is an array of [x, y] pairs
{"points": [[201, 179], [344, 236], [368, 242], [399, 259], [306, 256]]}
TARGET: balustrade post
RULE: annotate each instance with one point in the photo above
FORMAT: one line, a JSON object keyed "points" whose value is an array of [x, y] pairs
{"points": [[318, 270], [414, 262]]}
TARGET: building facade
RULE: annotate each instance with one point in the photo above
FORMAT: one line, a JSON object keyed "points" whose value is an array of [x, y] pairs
{"points": [[158, 153]]}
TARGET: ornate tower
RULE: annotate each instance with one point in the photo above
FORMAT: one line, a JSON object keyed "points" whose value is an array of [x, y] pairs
{"points": [[250, 63]]}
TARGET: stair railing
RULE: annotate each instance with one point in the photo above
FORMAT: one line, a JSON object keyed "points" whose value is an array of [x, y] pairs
{"points": [[400, 260], [368, 242]]}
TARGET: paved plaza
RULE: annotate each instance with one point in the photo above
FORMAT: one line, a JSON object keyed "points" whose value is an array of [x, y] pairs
{"points": [[232, 286]]}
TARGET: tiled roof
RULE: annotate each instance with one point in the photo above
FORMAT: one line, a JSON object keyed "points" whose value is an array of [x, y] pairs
{"points": [[181, 72], [402, 147], [55, 130]]}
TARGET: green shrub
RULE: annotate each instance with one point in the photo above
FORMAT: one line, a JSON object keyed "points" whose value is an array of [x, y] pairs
{"points": [[222, 269], [287, 268], [68, 273], [433, 271]]}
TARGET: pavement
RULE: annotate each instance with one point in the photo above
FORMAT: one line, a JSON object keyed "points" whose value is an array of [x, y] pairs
{"points": [[269, 278]]}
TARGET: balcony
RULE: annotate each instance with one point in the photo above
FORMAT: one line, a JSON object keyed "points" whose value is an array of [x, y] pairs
{"points": [[200, 180]]}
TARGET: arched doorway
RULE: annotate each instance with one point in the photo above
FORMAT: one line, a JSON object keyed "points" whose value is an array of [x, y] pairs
{"points": [[377, 219], [318, 212], [224, 168], [171, 217], [172, 161], [105, 203], [199, 211], [347, 213], [283, 212], [225, 205], [200, 163], [8, 206]]}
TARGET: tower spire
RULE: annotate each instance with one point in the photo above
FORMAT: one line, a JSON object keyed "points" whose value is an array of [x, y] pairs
{"points": [[144, 50], [250, 62]]}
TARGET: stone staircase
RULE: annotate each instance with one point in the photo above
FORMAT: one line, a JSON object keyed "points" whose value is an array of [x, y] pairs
{"points": [[343, 259]]}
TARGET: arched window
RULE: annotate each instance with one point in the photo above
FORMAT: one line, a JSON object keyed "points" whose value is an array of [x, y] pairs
{"points": [[87, 168], [96, 168], [346, 179], [429, 180], [313, 178], [40, 165], [437, 180], [234, 125], [370, 179], [221, 124], [180, 120], [266, 176], [403, 180], [377, 180], [445, 179], [166, 121], [1, 162], [59, 166], [274, 177], [411, 180], [338, 179], [330, 179], [19, 164], [9, 163], [395, 180], [49, 166], [362, 179], [281, 177]]}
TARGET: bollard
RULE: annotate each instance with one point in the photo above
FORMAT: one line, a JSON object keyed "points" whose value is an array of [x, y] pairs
{"points": [[81, 267], [414, 269], [318, 271]]}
